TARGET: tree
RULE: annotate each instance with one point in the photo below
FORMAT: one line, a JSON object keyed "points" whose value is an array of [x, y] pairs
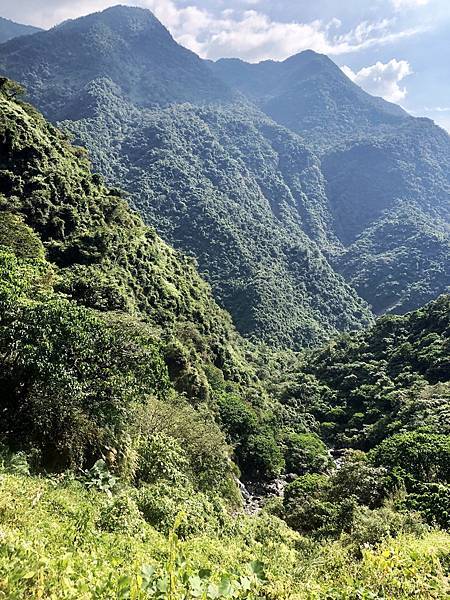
{"points": [[11, 89]]}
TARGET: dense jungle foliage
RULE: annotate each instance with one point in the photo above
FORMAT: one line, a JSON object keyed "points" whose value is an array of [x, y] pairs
{"points": [[102, 320], [381, 400], [130, 406], [237, 191], [277, 219]]}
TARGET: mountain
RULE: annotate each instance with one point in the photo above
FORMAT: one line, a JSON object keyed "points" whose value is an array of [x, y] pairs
{"points": [[128, 45], [10, 30], [127, 394], [309, 94], [251, 225], [105, 330], [386, 175], [286, 224], [239, 193], [397, 242]]}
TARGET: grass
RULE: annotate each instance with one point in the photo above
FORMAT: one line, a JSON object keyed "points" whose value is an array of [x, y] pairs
{"points": [[59, 540]]}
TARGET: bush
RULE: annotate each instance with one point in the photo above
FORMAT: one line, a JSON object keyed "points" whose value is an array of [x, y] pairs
{"points": [[432, 500], [162, 457], [371, 527], [238, 419], [16, 463], [120, 514], [68, 381], [305, 453], [358, 478], [190, 433], [306, 505], [260, 458], [422, 456], [19, 238], [160, 503], [313, 517], [307, 486]]}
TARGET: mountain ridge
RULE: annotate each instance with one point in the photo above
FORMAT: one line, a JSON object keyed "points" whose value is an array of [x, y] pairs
{"points": [[298, 91], [273, 218], [10, 29], [122, 43]]}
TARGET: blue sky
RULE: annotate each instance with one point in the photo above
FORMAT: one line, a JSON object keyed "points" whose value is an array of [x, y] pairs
{"points": [[398, 49]]}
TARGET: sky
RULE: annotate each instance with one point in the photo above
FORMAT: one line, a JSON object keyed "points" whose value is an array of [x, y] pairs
{"points": [[397, 49]]}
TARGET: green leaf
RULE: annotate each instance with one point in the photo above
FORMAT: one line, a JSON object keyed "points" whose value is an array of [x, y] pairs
{"points": [[257, 568], [225, 588], [213, 591], [196, 586], [147, 571]]}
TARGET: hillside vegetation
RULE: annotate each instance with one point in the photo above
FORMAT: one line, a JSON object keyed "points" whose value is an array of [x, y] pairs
{"points": [[381, 400], [281, 221], [236, 191], [130, 407], [97, 309], [61, 541], [385, 175]]}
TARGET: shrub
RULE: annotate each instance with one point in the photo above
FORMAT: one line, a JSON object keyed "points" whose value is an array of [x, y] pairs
{"points": [[304, 453], [260, 457], [100, 477], [307, 486], [371, 527], [423, 456], [357, 477], [313, 517], [238, 419], [68, 380], [19, 238], [306, 506], [432, 500], [16, 463], [193, 432], [160, 503], [162, 457], [120, 514]]}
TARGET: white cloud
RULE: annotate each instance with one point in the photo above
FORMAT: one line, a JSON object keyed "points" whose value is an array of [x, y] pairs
{"points": [[233, 32], [400, 4], [253, 36], [382, 79], [439, 109]]}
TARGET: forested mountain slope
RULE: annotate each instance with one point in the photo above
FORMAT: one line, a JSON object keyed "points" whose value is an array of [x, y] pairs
{"points": [[98, 315], [126, 395], [392, 378], [10, 29], [381, 400], [129, 45], [309, 94], [222, 182], [386, 173], [357, 191], [241, 194]]}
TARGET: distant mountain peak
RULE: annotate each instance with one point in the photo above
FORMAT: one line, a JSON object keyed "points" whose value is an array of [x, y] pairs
{"points": [[124, 20], [311, 95], [10, 30], [304, 54], [127, 45]]}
